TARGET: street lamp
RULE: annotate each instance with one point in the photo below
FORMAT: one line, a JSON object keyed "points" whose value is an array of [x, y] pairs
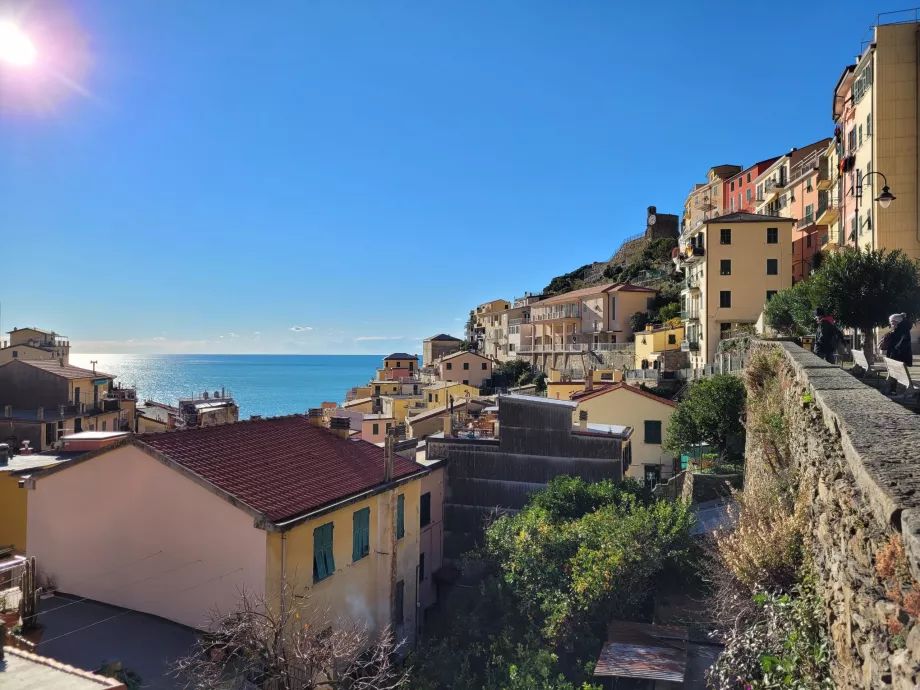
{"points": [[884, 199], [16, 48]]}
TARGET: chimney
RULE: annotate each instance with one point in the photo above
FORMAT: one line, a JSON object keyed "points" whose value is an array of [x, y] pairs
{"points": [[315, 416], [388, 452], [61, 360], [399, 431], [26, 450], [40, 413], [222, 392], [589, 380], [340, 426], [8, 411], [583, 420], [448, 425]]}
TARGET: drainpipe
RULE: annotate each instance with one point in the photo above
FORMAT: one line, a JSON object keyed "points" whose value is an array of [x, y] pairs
{"points": [[283, 572], [389, 451]]}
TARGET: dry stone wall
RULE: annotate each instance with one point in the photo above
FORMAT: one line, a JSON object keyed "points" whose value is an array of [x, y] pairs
{"points": [[858, 454]]}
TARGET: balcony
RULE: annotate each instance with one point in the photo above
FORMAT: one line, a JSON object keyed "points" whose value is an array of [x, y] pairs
{"points": [[806, 222], [693, 254], [824, 181], [567, 311], [692, 283], [690, 345], [690, 315], [828, 208]]}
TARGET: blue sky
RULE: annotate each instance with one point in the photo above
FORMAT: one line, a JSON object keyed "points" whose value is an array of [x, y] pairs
{"points": [[335, 177]]}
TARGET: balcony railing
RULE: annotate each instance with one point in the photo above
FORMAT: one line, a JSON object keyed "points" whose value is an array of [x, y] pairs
{"points": [[806, 222], [690, 315], [570, 311], [690, 345], [692, 283]]}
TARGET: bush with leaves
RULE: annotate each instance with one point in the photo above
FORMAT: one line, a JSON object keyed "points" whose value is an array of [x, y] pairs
{"points": [[669, 311], [862, 288], [780, 642], [791, 311], [710, 413], [514, 370], [638, 321]]}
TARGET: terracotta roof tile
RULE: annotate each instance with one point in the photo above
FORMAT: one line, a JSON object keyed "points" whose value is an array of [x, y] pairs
{"points": [[578, 396], [281, 467]]}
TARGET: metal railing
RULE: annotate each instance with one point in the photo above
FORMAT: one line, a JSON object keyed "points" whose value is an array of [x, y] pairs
{"points": [[547, 314], [689, 315], [693, 345], [806, 221]]}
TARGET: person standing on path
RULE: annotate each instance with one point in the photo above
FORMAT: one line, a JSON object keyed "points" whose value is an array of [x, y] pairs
{"points": [[827, 337], [896, 344]]}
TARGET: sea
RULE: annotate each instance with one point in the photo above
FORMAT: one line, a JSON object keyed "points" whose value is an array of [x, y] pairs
{"points": [[267, 385]]}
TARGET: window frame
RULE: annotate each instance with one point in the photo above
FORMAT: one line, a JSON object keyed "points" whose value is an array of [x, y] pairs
{"points": [[400, 516], [646, 426], [774, 238], [723, 236], [424, 509], [774, 265], [327, 551], [723, 300], [722, 265], [361, 534]]}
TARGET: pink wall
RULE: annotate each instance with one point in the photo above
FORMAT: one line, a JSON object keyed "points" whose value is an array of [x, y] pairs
{"points": [[124, 529], [741, 187]]}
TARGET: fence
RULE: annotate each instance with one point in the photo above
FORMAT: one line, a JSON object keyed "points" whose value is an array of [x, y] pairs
{"points": [[725, 364]]}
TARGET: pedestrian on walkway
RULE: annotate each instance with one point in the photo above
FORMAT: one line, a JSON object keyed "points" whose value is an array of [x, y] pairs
{"points": [[896, 343], [827, 337]]}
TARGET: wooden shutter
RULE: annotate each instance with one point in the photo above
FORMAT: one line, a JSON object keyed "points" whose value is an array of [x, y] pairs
{"points": [[323, 561], [361, 533], [400, 516]]}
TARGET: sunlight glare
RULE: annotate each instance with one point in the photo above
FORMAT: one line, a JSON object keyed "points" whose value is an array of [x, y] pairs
{"points": [[15, 47]]}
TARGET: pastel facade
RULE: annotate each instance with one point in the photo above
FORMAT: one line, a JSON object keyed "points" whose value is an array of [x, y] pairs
{"points": [[705, 199], [486, 317], [440, 393], [647, 414], [733, 264], [34, 343], [469, 368], [437, 346], [375, 427], [653, 342], [324, 519]]}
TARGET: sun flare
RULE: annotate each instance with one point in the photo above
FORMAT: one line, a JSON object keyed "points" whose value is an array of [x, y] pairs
{"points": [[15, 47]]}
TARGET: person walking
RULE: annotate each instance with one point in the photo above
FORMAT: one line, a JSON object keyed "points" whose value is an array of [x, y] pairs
{"points": [[827, 337], [896, 344]]}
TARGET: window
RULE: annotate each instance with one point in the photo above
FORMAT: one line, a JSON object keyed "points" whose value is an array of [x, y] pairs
{"points": [[450, 365], [749, 178], [739, 202], [375, 429], [606, 376], [466, 382], [400, 602], [725, 236], [725, 267], [466, 366], [376, 390], [772, 267], [484, 366], [823, 239], [323, 561], [733, 185], [421, 567], [860, 135], [807, 240], [436, 399], [760, 192], [810, 211], [748, 196], [725, 299], [104, 423], [772, 235], [808, 186], [400, 516], [388, 428], [652, 431], [731, 205], [851, 140], [770, 294], [672, 340], [869, 125], [361, 534], [425, 510], [430, 397], [15, 354]]}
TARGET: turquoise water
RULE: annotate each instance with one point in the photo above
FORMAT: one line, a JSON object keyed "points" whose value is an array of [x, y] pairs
{"points": [[261, 384]]}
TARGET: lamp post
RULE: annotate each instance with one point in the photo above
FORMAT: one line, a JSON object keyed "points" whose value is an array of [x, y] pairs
{"points": [[884, 199]]}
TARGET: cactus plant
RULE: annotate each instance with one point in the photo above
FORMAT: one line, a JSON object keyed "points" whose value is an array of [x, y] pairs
{"points": [[29, 592]]}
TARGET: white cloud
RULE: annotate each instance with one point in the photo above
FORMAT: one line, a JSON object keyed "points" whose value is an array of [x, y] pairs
{"points": [[220, 336], [132, 340], [159, 338], [234, 335], [256, 333], [301, 329], [380, 337]]}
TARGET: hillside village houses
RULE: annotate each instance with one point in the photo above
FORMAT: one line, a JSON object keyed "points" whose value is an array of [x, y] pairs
{"points": [[34, 343]]}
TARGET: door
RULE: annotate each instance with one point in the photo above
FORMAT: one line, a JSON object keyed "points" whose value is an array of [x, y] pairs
{"points": [[50, 434], [76, 396], [77, 425], [652, 476]]}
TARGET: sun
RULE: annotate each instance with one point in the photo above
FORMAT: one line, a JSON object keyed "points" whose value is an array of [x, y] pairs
{"points": [[15, 47]]}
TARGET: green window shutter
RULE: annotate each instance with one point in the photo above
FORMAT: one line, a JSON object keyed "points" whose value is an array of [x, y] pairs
{"points": [[400, 516], [361, 533], [425, 510], [375, 429], [323, 561], [652, 431]]}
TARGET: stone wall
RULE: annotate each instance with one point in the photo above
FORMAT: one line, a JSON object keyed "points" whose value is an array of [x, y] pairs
{"points": [[858, 453]]}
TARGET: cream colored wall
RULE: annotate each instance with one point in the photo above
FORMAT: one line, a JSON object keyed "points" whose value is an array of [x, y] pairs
{"points": [[145, 425], [894, 141], [424, 427], [648, 342], [357, 590], [629, 409], [748, 281], [627, 304], [13, 509], [396, 408], [366, 406], [431, 540], [475, 374], [125, 529], [441, 396], [24, 352]]}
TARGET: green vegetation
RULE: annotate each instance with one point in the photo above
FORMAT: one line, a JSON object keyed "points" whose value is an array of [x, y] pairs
{"points": [[638, 321], [710, 413], [130, 679], [515, 371], [567, 281], [861, 288], [540, 382], [559, 571]]}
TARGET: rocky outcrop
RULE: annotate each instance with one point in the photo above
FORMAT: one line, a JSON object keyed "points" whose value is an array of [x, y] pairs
{"points": [[858, 453]]}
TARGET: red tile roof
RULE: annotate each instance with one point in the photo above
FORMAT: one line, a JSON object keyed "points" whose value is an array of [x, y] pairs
{"points": [[578, 396], [281, 467]]}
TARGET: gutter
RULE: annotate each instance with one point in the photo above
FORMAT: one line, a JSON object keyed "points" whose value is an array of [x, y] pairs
{"points": [[291, 523]]}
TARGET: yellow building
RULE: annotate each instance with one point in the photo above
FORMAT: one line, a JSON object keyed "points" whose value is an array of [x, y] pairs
{"points": [[705, 199], [398, 365], [440, 393], [652, 342], [289, 506], [730, 275], [647, 414], [34, 343], [561, 387], [487, 326]]}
